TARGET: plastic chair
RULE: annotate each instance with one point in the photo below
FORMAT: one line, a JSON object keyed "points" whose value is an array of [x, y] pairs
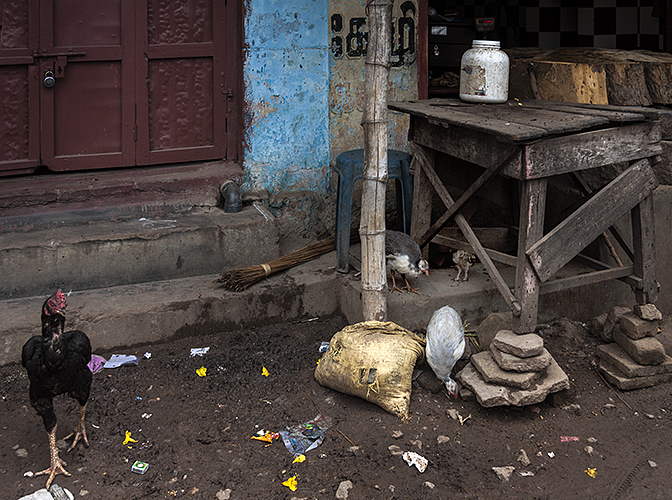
{"points": [[349, 166]]}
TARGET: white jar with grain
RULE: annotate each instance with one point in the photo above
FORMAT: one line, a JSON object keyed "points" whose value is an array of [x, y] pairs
{"points": [[484, 73]]}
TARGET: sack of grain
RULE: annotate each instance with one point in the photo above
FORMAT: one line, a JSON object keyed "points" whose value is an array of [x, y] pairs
{"points": [[373, 360]]}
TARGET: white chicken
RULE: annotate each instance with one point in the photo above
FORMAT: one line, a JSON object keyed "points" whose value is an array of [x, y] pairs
{"points": [[445, 345]]}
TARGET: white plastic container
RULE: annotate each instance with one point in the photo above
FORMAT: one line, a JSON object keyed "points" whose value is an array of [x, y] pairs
{"points": [[484, 73]]}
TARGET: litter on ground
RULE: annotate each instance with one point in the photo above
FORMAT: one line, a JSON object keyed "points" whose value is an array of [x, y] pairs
{"points": [[307, 436], [118, 360]]}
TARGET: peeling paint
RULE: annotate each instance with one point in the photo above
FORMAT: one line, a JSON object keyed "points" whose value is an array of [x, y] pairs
{"points": [[347, 64], [303, 100]]}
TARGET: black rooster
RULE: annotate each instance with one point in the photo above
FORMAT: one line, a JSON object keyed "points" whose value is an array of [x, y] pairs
{"points": [[57, 363]]}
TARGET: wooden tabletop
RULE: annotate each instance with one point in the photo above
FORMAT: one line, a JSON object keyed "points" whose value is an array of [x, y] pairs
{"points": [[521, 121]]}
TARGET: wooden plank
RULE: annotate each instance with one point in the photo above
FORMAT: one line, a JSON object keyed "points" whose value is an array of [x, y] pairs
{"points": [[630, 279], [421, 212], [572, 235], [456, 244], [559, 155], [531, 228], [616, 233], [585, 279], [553, 121], [613, 114], [462, 223], [466, 196], [650, 113], [645, 251], [471, 118], [501, 239], [462, 143]]}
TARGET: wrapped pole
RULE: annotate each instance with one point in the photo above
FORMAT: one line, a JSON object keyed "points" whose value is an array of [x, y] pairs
{"points": [[374, 178]]}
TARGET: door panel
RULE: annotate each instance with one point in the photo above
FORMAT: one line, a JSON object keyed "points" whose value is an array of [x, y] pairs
{"points": [[19, 88], [88, 116], [185, 118], [135, 82]]}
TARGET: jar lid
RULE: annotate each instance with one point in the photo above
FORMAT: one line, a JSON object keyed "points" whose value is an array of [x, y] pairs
{"points": [[493, 44]]}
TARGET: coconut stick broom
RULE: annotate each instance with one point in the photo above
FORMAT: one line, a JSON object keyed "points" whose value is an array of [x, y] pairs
{"points": [[238, 280]]}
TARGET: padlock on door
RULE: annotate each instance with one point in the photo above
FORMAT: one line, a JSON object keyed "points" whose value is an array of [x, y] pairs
{"points": [[49, 79]]}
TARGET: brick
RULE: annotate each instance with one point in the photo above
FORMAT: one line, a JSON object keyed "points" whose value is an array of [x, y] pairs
{"points": [[489, 395], [508, 361], [523, 346], [619, 359], [611, 323], [615, 377], [493, 374], [637, 328], [648, 312], [646, 351]]}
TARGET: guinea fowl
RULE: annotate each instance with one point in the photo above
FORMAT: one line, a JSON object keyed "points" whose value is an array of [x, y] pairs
{"points": [[403, 255], [445, 345], [57, 363]]}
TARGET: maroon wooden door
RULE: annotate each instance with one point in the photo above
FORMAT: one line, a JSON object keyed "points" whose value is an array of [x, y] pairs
{"points": [[19, 113], [90, 85], [88, 116], [181, 57]]}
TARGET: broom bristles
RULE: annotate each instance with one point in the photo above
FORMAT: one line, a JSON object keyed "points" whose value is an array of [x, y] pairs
{"points": [[239, 279]]}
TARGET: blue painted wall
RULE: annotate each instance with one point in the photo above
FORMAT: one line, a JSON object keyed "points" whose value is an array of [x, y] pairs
{"points": [[286, 75], [304, 85]]}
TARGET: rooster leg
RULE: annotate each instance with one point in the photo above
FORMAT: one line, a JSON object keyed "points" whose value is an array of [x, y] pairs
{"points": [[57, 465], [81, 430]]}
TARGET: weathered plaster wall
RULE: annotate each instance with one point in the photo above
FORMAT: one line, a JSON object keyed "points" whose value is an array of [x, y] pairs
{"points": [[286, 76], [304, 91], [348, 29]]}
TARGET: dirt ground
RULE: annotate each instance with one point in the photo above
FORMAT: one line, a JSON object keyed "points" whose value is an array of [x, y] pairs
{"points": [[195, 432]]}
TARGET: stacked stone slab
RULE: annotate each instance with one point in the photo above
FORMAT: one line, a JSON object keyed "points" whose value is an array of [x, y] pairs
{"points": [[635, 359], [516, 371]]}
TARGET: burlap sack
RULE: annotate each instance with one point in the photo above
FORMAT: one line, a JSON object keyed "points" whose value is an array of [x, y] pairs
{"points": [[373, 360]]}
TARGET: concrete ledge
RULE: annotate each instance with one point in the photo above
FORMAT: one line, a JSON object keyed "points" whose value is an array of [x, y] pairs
{"points": [[155, 312], [134, 251]]}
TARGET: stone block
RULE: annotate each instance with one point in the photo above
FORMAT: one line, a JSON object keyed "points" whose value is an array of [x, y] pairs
{"points": [[597, 325], [637, 328], [490, 326], [493, 374], [523, 346], [489, 395], [648, 312], [510, 362], [646, 351], [615, 377], [614, 355], [562, 398], [612, 321]]}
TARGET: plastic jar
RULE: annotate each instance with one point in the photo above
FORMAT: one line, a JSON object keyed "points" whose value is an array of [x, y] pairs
{"points": [[484, 73]]}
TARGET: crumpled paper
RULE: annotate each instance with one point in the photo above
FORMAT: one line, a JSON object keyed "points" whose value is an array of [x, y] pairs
{"points": [[118, 360], [412, 458]]}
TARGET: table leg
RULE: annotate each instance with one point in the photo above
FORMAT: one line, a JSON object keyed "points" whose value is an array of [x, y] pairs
{"points": [[421, 213], [645, 251], [531, 229]]}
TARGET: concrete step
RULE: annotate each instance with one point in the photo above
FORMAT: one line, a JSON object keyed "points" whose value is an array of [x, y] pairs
{"points": [[57, 200], [120, 317], [131, 251]]}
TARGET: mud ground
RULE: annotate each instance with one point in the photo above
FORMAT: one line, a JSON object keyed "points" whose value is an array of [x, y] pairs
{"points": [[195, 432]]}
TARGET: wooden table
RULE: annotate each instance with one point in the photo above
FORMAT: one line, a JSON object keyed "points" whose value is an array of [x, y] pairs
{"points": [[532, 143]]}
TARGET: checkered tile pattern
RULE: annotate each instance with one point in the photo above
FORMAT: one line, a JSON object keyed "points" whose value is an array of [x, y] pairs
{"points": [[615, 24]]}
